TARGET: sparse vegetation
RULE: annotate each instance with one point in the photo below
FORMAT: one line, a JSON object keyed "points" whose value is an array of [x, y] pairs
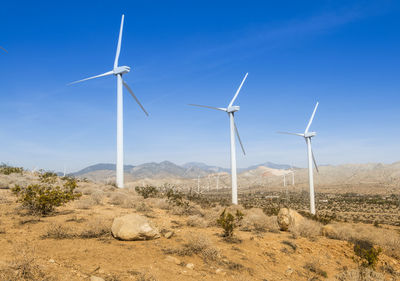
{"points": [[368, 254], [147, 191], [8, 170], [44, 198], [229, 222]]}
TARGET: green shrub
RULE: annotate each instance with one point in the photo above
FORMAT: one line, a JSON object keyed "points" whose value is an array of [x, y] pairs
{"points": [[229, 222], [147, 191], [8, 170], [47, 177], [42, 199], [176, 198], [366, 251]]}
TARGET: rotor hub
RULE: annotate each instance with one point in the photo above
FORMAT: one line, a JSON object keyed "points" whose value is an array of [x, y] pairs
{"points": [[310, 134], [121, 70], [233, 108]]}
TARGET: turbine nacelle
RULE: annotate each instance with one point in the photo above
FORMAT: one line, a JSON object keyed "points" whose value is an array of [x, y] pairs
{"points": [[121, 70], [310, 134], [232, 109]]}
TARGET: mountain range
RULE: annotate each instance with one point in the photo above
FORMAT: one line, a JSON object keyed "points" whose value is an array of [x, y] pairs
{"points": [[167, 169]]}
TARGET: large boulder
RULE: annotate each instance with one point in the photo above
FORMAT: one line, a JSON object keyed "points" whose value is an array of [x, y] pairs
{"points": [[133, 227], [288, 218]]}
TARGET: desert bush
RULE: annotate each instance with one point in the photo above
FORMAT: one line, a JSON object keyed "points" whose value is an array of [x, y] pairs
{"points": [[256, 220], [117, 198], [43, 199], [8, 170], [147, 191], [306, 228], [95, 228], [229, 222], [360, 274], [368, 254], [199, 245], [97, 197], [85, 203], [315, 267], [57, 231], [143, 207], [23, 266], [196, 221], [387, 239], [158, 203], [48, 177]]}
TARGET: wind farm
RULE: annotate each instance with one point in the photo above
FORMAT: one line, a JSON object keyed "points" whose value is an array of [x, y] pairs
{"points": [[93, 189]]}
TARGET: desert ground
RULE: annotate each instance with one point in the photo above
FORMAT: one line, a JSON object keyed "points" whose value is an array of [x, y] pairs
{"points": [[75, 242]]}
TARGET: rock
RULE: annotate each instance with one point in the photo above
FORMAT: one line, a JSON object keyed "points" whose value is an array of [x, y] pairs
{"points": [[95, 278], [169, 234], [220, 271], [133, 227], [173, 259], [52, 261], [287, 218], [190, 265]]}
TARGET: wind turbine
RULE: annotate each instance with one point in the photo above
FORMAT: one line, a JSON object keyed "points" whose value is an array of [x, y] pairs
{"points": [[3, 49], [118, 71], [231, 109], [307, 136]]}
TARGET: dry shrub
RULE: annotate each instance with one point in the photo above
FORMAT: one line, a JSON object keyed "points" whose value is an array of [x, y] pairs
{"points": [[131, 201], [196, 221], [387, 239], [95, 228], [306, 228], [87, 190], [23, 266], [212, 215], [143, 207], [117, 198], [158, 203], [360, 274], [85, 203], [315, 267], [256, 220], [97, 197], [199, 245], [58, 231]]}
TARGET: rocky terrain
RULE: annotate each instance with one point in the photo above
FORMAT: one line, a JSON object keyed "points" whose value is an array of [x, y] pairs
{"points": [[86, 239]]}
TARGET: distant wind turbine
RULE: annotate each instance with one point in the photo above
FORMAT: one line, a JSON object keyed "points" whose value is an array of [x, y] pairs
{"points": [[307, 136], [231, 109], [3, 49], [118, 71]]}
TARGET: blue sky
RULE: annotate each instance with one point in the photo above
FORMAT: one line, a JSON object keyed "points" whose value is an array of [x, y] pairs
{"points": [[345, 54]]}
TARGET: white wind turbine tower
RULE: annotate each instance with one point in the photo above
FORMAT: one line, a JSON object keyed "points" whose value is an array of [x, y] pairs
{"points": [[231, 109], [307, 136], [118, 71]]}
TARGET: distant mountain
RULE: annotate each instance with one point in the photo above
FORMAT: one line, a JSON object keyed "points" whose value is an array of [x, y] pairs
{"points": [[165, 169], [271, 165], [204, 167], [99, 167]]}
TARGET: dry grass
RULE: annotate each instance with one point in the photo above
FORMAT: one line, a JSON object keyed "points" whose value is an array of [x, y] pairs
{"points": [[387, 239], [23, 266], [85, 203], [158, 203], [256, 220], [196, 221], [94, 228], [360, 274], [199, 245], [306, 228]]}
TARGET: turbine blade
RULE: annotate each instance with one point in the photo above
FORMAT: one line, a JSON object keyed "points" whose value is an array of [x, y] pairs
{"points": [[240, 141], [238, 90], [133, 95], [295, 134], [311, 119], [3, 49], [211, 107], [119, 43], [93, 77], [313, 157]]}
